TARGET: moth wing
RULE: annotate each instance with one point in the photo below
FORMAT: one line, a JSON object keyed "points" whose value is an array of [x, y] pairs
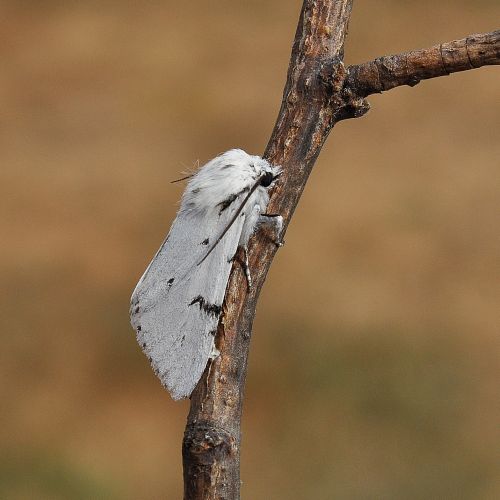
{"points": [[176, 306]]}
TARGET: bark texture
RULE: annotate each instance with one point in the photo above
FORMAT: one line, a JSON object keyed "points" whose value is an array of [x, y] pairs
{"points": [[318, 93]]}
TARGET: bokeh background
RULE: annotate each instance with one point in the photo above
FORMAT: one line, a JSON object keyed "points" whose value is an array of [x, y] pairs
{"points": [[375, 358]]}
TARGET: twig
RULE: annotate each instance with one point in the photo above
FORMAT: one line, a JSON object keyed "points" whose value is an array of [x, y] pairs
{"points": [[388, 72]]}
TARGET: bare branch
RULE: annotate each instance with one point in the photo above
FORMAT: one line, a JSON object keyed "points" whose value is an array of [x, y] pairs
{"points": [[388, 72], [212, 438], [319, 92]]}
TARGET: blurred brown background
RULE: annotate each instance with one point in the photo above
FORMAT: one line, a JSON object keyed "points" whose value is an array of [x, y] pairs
{"points": [[374, 365]]}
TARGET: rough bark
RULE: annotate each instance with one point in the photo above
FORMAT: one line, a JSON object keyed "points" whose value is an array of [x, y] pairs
{"points": [[316, 96]]}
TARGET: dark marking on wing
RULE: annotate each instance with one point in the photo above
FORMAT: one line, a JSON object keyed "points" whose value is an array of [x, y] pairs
{"points": [[137, 309], [139, 328], [210, 309], [196, 190], [213, 333], [170, 282], [227, 202], [233, 218], [206, 241]]}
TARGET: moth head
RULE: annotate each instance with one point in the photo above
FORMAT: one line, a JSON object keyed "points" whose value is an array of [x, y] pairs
{"points": [[268, 177], [268, 174]]}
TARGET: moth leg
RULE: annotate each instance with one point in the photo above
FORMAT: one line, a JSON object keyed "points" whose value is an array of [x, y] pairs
{"points": [[243, 263], [246, 268], [275, 223]]}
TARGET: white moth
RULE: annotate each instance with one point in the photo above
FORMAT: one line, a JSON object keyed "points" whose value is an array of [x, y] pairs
{"points": [[176, 306]]}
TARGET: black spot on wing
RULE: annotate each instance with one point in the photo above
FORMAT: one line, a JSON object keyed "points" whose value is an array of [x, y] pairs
{"points": [[227, 202], [230, 199], [210, 309], [206, 241]]}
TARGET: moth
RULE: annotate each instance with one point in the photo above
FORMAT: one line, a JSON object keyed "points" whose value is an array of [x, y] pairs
{"points": [[176, 306]]}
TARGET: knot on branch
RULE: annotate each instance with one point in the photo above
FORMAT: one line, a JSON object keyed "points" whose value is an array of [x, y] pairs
{"points": [[205, 444], [350, 105], [344, 101], [332, 74]]}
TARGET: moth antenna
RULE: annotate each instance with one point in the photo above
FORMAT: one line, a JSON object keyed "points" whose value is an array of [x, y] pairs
{"points": [[233, 219], [195, 167], [182, 179]]}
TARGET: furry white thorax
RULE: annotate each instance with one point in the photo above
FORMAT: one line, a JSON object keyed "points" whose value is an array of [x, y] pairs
{"points": [[224, 179]]}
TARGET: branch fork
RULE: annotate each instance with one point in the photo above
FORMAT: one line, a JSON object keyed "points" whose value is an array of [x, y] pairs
{"points": [[319, 92]]}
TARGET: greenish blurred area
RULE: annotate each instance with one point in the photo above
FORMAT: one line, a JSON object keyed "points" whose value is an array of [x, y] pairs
{"points": [[375, 358]]}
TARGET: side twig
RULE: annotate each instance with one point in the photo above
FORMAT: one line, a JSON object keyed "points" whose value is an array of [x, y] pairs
{"points": [[409, 68]]}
